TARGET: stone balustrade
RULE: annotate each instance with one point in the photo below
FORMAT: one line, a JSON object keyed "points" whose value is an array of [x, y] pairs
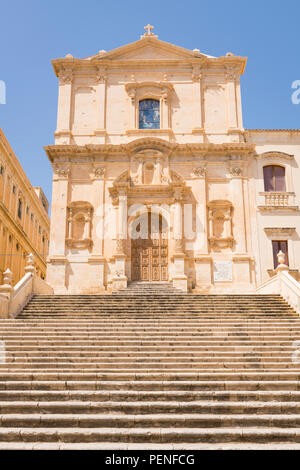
{"points": [[283, 284], [14, 299]]}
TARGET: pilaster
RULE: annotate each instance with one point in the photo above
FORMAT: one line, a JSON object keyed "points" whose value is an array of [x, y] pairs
{"points": [[64, 104]]}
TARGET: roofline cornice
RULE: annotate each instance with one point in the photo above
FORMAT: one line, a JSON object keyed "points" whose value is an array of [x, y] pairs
{"points": [[113, 58]]}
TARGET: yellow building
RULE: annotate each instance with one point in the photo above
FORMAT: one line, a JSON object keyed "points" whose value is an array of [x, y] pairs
{"points": [[24, 220]]}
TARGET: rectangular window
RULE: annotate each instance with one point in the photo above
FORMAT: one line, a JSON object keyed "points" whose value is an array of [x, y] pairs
{"points": [[279, 245], [20, 209], [279, 177], [274, 178], [268, 178]]}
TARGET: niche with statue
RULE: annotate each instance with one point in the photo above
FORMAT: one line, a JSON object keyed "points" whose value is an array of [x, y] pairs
{"points": [[79, 227], [220, 218]]}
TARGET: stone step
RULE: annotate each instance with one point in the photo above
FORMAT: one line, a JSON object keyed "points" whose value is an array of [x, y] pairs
{"points": [[177, 367], [142, 352], [155, 420], [74, 354], [225, 343], [151, 407], [156, 376], [268, 387], [162, 327], [150, 365], [152, 435], [85, 391], [118, 446]]}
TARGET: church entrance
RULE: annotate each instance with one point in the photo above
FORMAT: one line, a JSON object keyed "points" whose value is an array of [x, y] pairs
{"points": [[149, 253]]}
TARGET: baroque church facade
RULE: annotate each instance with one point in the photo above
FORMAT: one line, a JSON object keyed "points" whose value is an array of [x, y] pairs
{"points": [[155, 178]]}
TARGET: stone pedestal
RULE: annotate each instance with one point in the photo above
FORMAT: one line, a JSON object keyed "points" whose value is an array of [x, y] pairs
{"points": [[96, 263], [203, 267], [179, 280], [119, 280], [56, 274]]}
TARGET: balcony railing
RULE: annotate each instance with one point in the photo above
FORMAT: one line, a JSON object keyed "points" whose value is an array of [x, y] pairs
{"points": [[277, 200]]}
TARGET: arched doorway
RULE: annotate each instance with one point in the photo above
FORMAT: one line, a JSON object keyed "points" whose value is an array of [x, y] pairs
{"points": [[149, 252]]}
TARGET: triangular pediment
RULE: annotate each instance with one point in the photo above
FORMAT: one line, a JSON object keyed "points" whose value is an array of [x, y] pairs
{"points": [[148, 49]]}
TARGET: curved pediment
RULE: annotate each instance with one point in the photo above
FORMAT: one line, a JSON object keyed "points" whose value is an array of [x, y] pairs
{"points": [[149, 143]]}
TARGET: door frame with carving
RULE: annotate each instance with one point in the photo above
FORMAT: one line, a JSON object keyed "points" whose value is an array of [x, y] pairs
{"points": [[149, 257]]}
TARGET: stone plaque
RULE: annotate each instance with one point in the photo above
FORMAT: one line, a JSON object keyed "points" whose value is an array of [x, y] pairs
{"points": [[223, 271]]}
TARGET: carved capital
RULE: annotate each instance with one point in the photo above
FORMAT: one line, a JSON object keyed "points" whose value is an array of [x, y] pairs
{"points": [[101, 75], [178, 196], [196, 74], [65, 76], [199, 172], [99, 173], [231, 74], [179, 245], [235, 172], [62, 172]]}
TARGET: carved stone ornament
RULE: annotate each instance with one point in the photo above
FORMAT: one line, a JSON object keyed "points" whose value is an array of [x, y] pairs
{"points": [[62, 172], [79, 229], [199, 172], [99, 172], [65, 76], [235, 172], [101, 75], [231, 74], [220, 217]]}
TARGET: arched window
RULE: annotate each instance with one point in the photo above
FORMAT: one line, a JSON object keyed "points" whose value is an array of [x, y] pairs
{"points": [[274, 178], [149, 114]]}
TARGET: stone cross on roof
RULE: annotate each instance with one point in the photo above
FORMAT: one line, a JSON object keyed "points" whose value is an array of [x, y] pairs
{"points": [[149, 28]]}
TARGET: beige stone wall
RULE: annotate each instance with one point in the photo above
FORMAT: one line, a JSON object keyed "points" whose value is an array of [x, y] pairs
{"points": [[24, 222], [200, 160], [278, 220], [199, 95]]}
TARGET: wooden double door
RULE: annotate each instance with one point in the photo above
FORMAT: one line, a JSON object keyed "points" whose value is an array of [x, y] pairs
{"points": [[149, 254]]}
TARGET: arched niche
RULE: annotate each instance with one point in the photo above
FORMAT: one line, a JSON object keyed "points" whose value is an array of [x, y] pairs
{"points": [[79, 228], [220, 218]]}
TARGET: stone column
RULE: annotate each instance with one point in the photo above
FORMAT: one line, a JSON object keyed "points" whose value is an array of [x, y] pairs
{"points": [[56, 262], [164, 111], [96, 260], [197, 86], [119, 280], [179, 277], [122, 235], [157, 176], [202, 259], [64, 102], [178, 223], [101, 105], [140, 171], [231, 99], [132, 109], [239, 212]]}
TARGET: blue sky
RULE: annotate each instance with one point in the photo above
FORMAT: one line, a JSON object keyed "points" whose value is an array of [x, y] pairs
{"points": [[35, 31]]}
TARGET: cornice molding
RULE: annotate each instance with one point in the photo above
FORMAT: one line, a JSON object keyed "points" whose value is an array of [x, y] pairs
{"points": [[93, 150], [179, 56], [279, 230], [275, 155]]}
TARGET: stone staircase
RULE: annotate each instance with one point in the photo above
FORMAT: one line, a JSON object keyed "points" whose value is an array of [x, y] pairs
{"points": [[150, 368]]}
